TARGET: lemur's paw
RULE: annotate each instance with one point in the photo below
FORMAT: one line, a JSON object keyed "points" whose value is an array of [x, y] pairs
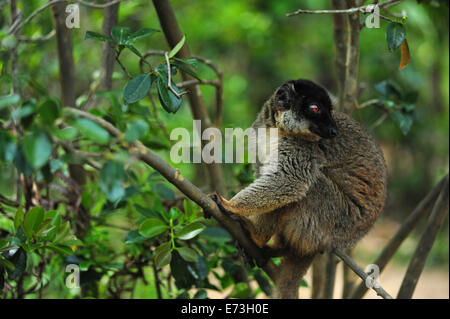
{"points": [[219, 201]]}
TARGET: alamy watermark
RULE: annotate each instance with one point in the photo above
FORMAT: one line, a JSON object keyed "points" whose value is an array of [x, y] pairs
{"points": [[237, 146], [73, 17], [373, 276], [73, 279], [373, 18]]}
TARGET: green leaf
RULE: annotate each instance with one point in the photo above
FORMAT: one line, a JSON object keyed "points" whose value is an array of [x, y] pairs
{"points": [[9, 100], [216, 235], [64, 232], [96, 36], [389, 88], [170, 102], [6, 263], [66, 133], [61, 249], [7, 147], [112, 178], [143, 33], [191, 61], [403, 121], [174, 213], [49, 111], [37, 148], [137, 88], [133, 237], [163, 254], [241, 290], [190, 231], [24, 111], [188, 254], [146, 212], [177, 47], [18, 218], [186, 69], [121, 35], [152, 227], [21, 163], [92, 130], [133, 49], [163, 247], [32, 221], [163, 191], [190, 210], [19, 259], [201, 294], [395, 35], [163, 258], [56, 223], [304, 283], [136, 130]]}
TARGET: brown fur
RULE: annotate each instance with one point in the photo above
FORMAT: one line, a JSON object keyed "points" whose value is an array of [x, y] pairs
{"points": [[326, 193]]}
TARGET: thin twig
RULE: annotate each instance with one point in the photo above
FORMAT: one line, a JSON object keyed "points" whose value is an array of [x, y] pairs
{"points": [[169, 77], [16, 29], [378, 122], [46, 37], [122, 66], [214, 83], [346, 11], [358, 270], [369, 103]]}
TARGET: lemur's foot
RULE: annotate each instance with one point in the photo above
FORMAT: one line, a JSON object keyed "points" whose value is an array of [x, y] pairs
{"points": [[219, 201]]}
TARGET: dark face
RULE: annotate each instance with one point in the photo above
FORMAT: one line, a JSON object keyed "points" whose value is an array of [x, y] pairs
{"points": [[310, 101]]}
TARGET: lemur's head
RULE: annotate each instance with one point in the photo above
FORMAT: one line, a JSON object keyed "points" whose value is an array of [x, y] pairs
{"points": [[304, 109]]}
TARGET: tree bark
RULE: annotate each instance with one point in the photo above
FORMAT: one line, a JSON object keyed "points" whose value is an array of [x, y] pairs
{"points": [[173, 35], [65, 58], [110, 19]]}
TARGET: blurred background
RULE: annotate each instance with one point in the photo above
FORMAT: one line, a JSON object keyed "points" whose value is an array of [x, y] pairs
{"points": [[258, 47]]}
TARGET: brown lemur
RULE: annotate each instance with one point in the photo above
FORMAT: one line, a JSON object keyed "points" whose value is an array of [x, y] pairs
{"points": [[326, 191]]}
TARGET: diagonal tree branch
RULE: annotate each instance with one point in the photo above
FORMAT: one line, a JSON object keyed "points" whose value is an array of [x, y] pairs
{"points": [[174, 176], [349, 262]]}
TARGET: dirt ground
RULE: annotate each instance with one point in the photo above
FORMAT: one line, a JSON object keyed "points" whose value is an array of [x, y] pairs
{"points": [[433, 284]]}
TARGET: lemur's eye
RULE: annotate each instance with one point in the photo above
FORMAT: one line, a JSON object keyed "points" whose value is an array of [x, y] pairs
{"points": [[314, 108]]}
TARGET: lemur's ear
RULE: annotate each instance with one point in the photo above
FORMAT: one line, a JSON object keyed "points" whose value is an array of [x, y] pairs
{"points": [[334, 99], [284, 95]]}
